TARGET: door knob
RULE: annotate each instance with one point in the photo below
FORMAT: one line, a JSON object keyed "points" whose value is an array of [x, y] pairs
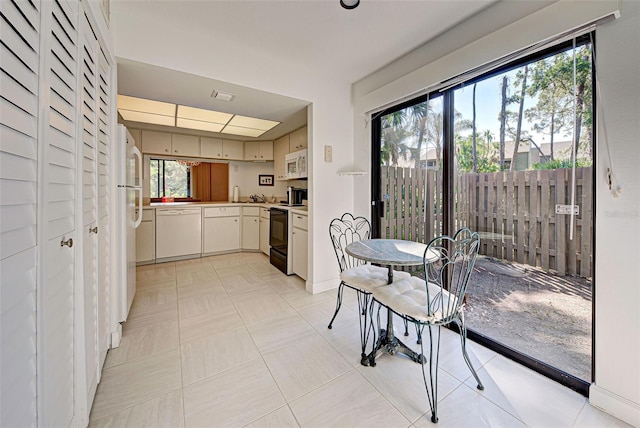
{"points": [[68, 242], [93, 230]]}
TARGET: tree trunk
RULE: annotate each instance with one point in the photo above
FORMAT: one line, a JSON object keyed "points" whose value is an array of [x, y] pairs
{"points": [[503, 120], [578, 118], [516, 143], [421, 133], [474, 148]]}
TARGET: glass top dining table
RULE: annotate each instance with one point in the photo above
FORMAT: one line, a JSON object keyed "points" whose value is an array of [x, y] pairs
{"points": [[390, 253]]}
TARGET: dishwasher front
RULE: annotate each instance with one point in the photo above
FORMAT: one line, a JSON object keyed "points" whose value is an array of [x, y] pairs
{"points": [[178, 232]]}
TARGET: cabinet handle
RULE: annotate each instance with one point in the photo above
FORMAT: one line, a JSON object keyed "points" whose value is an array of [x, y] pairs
{"points": [[68, 242], [166, 150], [93, 230]]}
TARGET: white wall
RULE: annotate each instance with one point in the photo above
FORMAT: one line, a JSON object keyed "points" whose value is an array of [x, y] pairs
{"points": [[245, 176], [617, 277]]}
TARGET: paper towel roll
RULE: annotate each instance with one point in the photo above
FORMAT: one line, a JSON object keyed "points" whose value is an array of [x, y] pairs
{"points": [[235, 194]]}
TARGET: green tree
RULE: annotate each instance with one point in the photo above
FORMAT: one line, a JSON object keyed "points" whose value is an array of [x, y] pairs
{"points": [[521, 77], [552, 82]]}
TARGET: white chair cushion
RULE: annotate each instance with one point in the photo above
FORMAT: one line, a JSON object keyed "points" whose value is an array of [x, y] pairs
{"points": [[368, 277], [409, 297]]}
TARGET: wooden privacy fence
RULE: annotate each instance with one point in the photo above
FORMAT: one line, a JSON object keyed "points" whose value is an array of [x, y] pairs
{"points": [[514, 212]]}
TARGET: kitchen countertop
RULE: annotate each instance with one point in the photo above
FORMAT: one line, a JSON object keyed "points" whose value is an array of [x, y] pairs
{"points": [[298, 209]]}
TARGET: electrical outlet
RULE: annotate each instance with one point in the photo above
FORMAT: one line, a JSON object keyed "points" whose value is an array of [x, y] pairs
{"points": [[328, 153]]}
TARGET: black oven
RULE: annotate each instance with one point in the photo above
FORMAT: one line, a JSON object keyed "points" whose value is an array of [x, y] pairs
{"points": [[279, 238]]}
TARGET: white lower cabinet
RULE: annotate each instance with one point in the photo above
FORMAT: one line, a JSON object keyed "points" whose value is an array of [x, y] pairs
{"points": [[146, 238], [265, 218], [221, 229], [299, 247], [250, 228]]}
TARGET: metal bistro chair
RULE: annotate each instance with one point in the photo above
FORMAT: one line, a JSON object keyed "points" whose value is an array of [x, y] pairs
{"points": [[437, 301], [355, 273]]}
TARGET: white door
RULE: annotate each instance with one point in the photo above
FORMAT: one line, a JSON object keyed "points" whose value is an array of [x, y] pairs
{"points": [[19, 113], [105, 144], [57, 382], [88, 156]]}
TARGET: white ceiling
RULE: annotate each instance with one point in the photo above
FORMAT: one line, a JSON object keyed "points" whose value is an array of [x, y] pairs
{"points": [[315, 37]]}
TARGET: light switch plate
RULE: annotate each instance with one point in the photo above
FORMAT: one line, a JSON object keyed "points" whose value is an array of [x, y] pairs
{"points": [[328, 153]]}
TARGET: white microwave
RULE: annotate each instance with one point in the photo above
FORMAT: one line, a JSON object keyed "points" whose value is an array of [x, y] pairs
{"points": [[296, 164]]}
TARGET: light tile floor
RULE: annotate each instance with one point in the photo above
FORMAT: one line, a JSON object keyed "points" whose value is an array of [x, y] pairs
{"points": [[231, 341]]}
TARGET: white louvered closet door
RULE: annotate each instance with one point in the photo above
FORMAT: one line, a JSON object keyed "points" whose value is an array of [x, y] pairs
{"points": [[89, 185], [105, 144], [19, 50], [57, 289]]}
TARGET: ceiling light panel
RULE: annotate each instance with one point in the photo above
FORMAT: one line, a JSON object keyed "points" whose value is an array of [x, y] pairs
{"points": [[138, 116], [252, 122], [146, 106], [202, 115], [198, 124], [245, 132]]}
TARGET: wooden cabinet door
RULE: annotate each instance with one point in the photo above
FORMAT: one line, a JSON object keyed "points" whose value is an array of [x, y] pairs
{"points": [[280, 151], [156, 142], [298, 139], [264, 235], [146, 238], [221, 234], [252, 150], [185, 145], [232, 150], [211, 147], [250, 233], [266, 150], [300, 252]]}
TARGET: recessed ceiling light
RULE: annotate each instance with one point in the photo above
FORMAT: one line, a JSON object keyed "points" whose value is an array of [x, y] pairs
{"points": [[147, 106], [161, 113], [245, 132], [252, 122], [198, 124], [203, 115], [140, 116], [222, 96]]}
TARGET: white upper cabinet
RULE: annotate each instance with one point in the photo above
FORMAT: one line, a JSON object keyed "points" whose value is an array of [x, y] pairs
{"points": [[258, 150], [185, 145], [232, 150], [211, 147], [298, 139], [156, 142], [218, 148], [165, 143], [280, 150]]}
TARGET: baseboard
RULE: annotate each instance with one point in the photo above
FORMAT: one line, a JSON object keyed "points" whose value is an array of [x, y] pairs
{"points": [[116, 336], [319, 287], [613, 404]]}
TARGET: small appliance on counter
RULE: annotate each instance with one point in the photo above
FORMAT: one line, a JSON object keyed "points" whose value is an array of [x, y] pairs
{"points": [[295, 196]]}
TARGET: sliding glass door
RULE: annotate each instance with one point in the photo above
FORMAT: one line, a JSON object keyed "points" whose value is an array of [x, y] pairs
{"points": [[509, 155]]}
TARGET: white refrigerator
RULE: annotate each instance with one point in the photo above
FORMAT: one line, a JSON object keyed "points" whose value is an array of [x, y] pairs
{"points": [[128, 199]]}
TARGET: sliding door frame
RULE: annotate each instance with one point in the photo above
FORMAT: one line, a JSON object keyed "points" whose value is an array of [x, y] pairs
{"points": [[448, 169]]}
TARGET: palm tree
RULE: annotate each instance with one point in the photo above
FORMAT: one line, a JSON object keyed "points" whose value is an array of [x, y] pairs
{"points": [[416, 118]]}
